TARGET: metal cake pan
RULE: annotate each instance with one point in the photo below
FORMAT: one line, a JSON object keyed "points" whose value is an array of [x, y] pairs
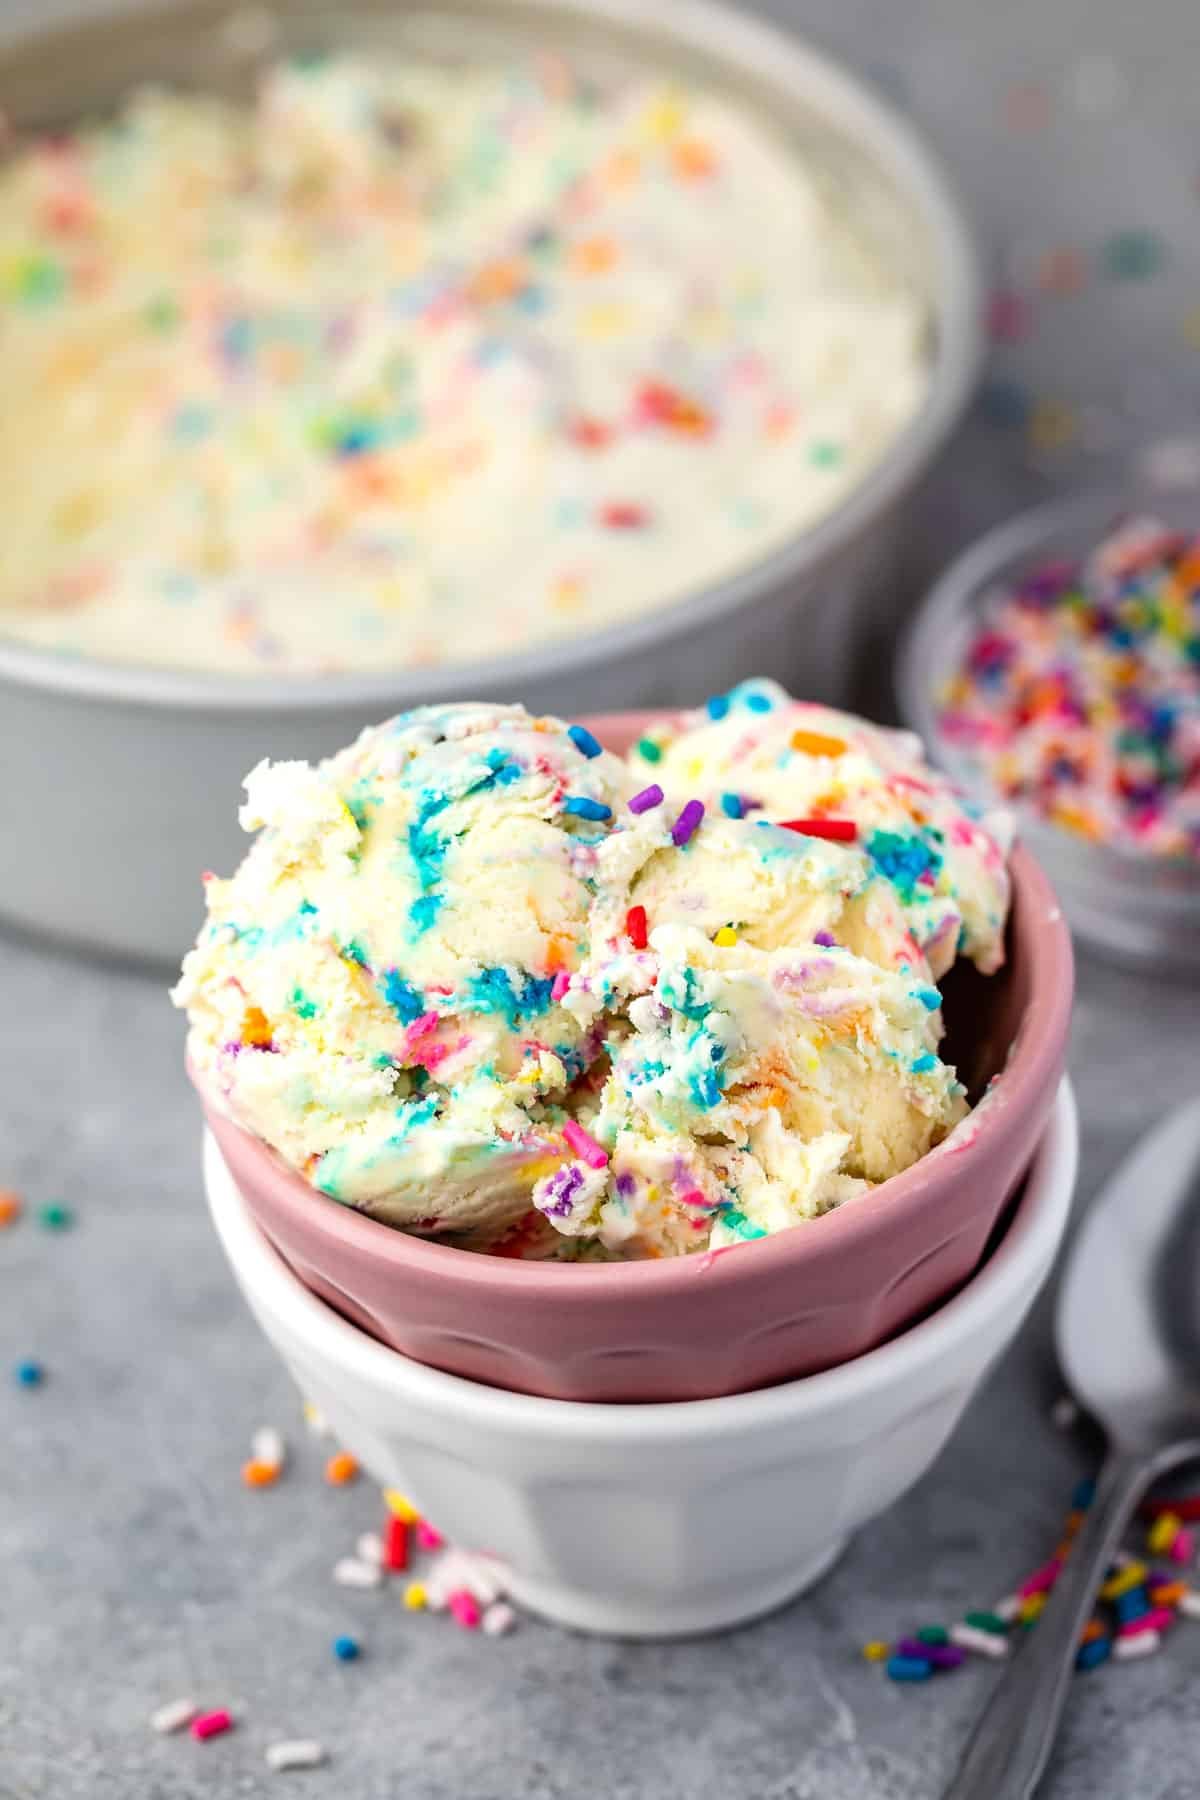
{"points": [[118, 785]]}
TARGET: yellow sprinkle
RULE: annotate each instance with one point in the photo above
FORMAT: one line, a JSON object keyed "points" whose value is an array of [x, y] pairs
{"points": [[403, 1508], [1191, 328], [726, 936], [1162, 1533], [1052, 426], [1032, 1608], [664, 119], [415, 1597], [1131, 1576], [604, 321], [876, 1650]]}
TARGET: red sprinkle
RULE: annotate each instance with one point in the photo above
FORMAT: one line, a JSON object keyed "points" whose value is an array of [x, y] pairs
{"points": [[842, 831], [1187, 1508], [590, 434], [635, 927], [395, 1545], [624, 515], [212, 1724]]}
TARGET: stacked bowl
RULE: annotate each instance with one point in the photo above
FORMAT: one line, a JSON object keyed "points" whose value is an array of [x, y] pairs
{"points": [[669, 1446]]}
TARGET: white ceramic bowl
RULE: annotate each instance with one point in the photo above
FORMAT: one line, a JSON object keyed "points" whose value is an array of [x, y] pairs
{"points": [[660, 1520]]}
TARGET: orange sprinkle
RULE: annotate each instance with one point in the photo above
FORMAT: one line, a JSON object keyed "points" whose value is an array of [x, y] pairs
{"points": [[341, 1468], [496, 281], [622, 168], [1091, 1631], [594, 256], [693, 159], [558, 954], [1168, 1593], [10, 1206], [815, 743], [259, 1474], [256, 1028]]}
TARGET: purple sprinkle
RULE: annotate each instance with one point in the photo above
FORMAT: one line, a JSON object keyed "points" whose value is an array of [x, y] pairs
{"points": [[942, 1656], [626, 1183], [687, 823], [826, 939], [649, 797], [561, 1189]]}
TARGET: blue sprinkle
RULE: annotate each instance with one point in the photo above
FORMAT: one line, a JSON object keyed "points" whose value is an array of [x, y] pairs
{"points": [[922, 1064], [1083, 1496], [345, 1648], [583, 808], [405, 1000], [583, 740], [731, 806], [1090, 1656], [759, 703], [929, 997], [718, 706], [909, 1668], [1134, 1604], [29, 1373]]}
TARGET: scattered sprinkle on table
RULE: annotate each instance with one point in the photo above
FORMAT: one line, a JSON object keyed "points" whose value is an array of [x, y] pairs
{"points": [[295, 1753], [212, 1724], [29, 1373], [346, 1649], [54, 1216], [10, 1206], [173, 1716], [341, 1469]]}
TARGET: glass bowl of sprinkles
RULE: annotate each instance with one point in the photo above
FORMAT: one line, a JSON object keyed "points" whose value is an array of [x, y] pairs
{"points": [[1055, 667]]}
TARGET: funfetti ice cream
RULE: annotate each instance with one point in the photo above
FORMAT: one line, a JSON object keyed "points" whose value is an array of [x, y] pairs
{"points": [[756, 753], [476, 981], [373, 991]]}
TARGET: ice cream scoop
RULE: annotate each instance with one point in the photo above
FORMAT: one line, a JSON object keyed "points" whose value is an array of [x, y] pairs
{"points": [[756, 753]]}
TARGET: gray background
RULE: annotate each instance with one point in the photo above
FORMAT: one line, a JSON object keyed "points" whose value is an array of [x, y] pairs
{"points": [[133, 1565]]}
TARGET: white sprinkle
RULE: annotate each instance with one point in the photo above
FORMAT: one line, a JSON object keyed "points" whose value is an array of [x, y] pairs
{"points": [[984, 1643], [369, 1549], [1171, 463], [1064, 1413], [499, 1619], [1141, 1643], [314, 1418], [296, 1753], [1009, 1607], [351, 1573], [267, 1446], [174, 1716], [484, 1577], [1189, 1605]]}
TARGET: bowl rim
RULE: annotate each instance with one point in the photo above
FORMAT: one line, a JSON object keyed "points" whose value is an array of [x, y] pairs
{"points": [[934, 626], [1013, 1095], [745, 44], [1009, 1276]]}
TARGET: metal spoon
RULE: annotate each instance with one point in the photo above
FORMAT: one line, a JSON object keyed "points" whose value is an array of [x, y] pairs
{"points": [[1128, 1330]]}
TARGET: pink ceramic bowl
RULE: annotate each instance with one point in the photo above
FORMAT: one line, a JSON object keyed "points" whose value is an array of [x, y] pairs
{"points": [[743, 1318]]}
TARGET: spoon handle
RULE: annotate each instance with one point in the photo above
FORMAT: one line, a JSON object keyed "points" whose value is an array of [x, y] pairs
{"points": [[1007, 1751]]}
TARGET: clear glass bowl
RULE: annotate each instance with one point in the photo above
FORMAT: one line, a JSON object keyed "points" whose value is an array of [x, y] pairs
{"points": [[1138, 909]]}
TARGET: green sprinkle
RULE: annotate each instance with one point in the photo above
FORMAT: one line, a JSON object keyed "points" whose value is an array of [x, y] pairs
{"points": [[824, 455], [1132, 255], [39, 280], [302, 1006], [986, 1621], [648, 750], [933, 1634], [161, 313], [55, 1216]]}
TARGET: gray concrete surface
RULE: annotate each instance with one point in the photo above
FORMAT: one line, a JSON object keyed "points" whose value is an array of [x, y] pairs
{"points": [[134, 1567]]}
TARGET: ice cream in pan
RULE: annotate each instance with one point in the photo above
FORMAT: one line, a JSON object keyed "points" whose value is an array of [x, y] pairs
{"points": [[486, 982]]}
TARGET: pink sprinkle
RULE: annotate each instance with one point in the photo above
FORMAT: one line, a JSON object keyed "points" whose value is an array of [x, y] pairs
{"points": [[560, 984], [1008, 317], [1159, 1619], [584, 1145], [1042, 1580], [212, 1724], [694, 1197], [428, 1536], [465, 1607], [1183, 1547], [422, 1027], [687, 823], [649, 798]]}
